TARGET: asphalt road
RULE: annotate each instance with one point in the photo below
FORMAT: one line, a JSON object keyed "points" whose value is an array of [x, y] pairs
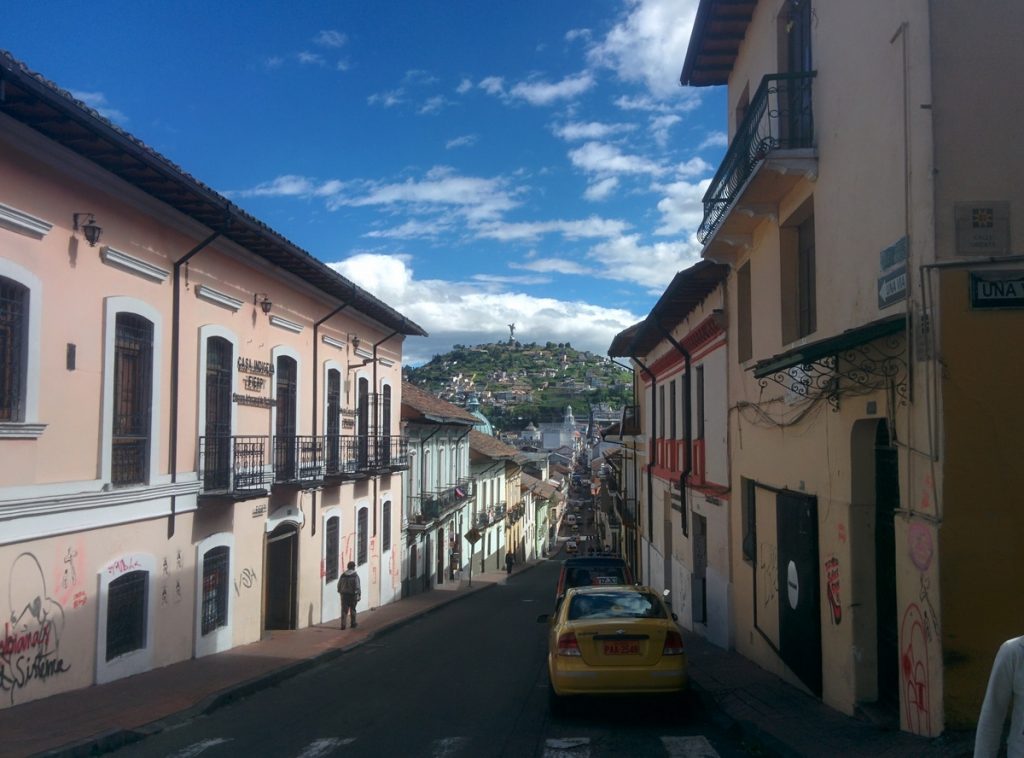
{"points": [[467, 680]]}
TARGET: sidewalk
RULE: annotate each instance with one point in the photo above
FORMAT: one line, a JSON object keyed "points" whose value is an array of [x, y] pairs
{"points": [[778, 718], [786, 721]]}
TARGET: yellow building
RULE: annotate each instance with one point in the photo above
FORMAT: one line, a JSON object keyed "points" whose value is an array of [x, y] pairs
{"points": [[864, 206]]}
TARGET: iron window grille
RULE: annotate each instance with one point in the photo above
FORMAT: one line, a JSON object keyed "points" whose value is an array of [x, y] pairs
{"points": [[362, 537], [127, 598], [133, 371], [13, 316], [386, 527], [215, 589]]}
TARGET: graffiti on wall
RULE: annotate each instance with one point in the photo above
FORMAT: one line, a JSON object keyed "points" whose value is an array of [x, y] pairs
{"points": [[30, 647], [919, 545], [914, 670], [69, 576], [245, 581], [841, 533], [768, 573], [832, 585]]}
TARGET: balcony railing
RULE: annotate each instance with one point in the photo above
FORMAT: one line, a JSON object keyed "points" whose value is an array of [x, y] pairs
{"points": [[233, 465], [780, 117], [489, 516], [433, 505], [298, 459]]}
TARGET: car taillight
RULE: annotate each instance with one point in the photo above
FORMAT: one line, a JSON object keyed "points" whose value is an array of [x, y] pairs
{"points": [[567, 644], [673, 644]]}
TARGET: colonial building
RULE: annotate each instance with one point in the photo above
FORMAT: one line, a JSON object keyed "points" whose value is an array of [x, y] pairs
{"points": [[865, 206], [497, 475], [198, 419], [679, 354], [441, 499]]}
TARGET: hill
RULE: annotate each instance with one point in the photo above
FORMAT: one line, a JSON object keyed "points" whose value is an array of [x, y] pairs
{"points": [[515, 384]]}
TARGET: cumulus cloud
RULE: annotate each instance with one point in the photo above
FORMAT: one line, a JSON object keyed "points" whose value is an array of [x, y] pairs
{"points": [[307, 58], [600, 190], [538, 92], [387, 99], [455, 314], [592, 227], [466, 140], [715, 139], [464, 86], [660, 126], [681, 208], [492, 85], [602, 158], [626, 258], [591, 130], [648, 44]]}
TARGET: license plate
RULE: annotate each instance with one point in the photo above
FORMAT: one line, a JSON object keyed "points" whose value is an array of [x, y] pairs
{"points": [[622, 648]]}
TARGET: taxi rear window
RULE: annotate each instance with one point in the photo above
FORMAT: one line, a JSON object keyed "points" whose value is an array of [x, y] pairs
{"points": [[595, 575], [613, 605]]}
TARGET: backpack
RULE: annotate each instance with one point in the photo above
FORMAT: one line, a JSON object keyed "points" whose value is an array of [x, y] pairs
{"points": [[347, 584]]}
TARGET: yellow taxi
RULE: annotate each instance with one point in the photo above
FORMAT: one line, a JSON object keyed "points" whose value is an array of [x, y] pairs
{"points": [[606, 640]]}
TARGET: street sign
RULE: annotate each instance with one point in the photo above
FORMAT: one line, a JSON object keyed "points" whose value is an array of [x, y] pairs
{"points": [[473, 536]]}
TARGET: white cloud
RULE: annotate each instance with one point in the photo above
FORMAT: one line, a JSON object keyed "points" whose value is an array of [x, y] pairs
{"points": [[553, 266], [387, 99], [648, 44], [98, 102], [715, 139], [602, 189], [694, 167], [592, 227], [308, 58], [273, 62], [492, 279], [682, 208], [660, 126], [432, 105], [288, 185], [492, 85], [412, 229], [592, 130], [456, 314], [574, 34], [330, 38], [625, 258], [466, 140], [597, 157], [544, 93], [464, 86]]}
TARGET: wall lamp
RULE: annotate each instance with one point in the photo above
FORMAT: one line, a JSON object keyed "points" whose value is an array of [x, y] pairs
{"points": [[265, 304], [90, 228]]}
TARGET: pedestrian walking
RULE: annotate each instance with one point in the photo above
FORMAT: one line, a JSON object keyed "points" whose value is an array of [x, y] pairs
{"points": [[350, 591], [1005, 687], [509, 560]]}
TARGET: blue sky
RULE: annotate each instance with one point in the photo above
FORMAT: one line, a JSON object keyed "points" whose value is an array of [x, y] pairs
{"points": [[473, 164]]}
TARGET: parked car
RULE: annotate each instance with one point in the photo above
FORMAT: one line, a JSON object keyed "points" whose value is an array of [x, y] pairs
{"points": [[610, 640]]}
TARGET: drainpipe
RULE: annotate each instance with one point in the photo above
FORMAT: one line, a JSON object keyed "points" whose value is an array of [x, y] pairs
{"points": [[316, 382], [687, 419], [175, 357], [651, 454]]}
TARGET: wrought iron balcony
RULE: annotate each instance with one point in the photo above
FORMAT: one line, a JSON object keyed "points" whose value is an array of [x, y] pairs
{"points": [[298, 459], [780, 117], [489, 516], [433, 505], [233, 466]]}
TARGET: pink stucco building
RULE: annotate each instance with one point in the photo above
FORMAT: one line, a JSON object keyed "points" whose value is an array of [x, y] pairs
{"points": [[199, 421]]}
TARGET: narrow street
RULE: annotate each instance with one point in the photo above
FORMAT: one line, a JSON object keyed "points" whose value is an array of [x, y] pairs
{"points": [[486, 655]]}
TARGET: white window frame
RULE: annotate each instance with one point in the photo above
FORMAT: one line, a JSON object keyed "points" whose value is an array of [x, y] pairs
{"points": [[136, 661], [30, 426], [219, 639]]}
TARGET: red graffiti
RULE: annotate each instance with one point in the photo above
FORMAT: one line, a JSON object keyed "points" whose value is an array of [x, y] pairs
{"points": [[122, 566], [19, 643], [79, 600], [323, 568], [832, 578], [841, 530], [914, 671]]}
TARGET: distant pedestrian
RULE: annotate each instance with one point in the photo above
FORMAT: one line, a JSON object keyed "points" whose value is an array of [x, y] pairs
{"points": [[1005, 686], [509, 560], [350, 591]]}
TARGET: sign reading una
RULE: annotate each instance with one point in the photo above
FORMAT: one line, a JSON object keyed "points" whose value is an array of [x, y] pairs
{"points": [[997, 289]]}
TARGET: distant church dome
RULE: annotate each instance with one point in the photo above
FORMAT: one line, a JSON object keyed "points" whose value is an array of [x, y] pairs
{"points": [[484, 425]]}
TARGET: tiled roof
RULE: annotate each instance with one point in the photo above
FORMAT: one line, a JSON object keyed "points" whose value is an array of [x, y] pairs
{"points": [[490, 446], [418, 403]]}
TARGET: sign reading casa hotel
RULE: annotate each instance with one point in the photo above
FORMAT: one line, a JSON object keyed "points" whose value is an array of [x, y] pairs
{"points": [[997, 289]]}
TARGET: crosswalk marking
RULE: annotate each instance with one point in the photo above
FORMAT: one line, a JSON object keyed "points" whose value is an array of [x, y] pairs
{"points": [[448, 746], [316, 748], [689, 747], [195, 749], [567, 747]]}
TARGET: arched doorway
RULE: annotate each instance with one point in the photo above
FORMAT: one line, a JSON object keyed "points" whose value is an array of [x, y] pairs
{"points": [[281, 581]]}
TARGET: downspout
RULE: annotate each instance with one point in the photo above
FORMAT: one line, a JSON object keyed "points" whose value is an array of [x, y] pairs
{"points": [[651, 454], [175, 358], [316, 382], [687, 419]]}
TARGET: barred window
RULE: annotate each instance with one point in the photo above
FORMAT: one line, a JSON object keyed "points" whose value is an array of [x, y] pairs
{"points": [[13, 328], [386, 536], [127, 598], [133, 372], [331, 549], [215, 589], [362, 537]]}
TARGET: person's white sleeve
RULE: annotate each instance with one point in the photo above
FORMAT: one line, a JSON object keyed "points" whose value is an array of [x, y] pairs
{"points": [[995, 705]]}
